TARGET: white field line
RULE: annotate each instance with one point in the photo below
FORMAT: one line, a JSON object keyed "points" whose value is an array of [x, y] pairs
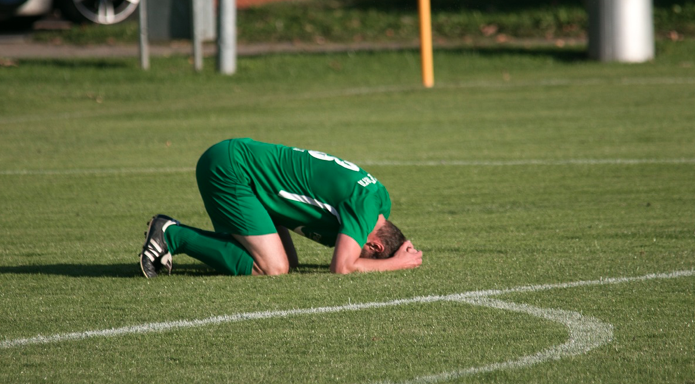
{"points": [[502, 163], [585, 333], [387, 163], [365, 91], [473, 297], [86, 171], [543, 83]]}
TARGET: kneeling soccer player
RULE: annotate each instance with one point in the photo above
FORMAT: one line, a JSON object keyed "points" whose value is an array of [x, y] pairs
{"points": [[254, 192]]}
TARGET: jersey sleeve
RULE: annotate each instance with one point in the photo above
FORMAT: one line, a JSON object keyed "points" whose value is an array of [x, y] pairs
{"points": [[359, 214]]}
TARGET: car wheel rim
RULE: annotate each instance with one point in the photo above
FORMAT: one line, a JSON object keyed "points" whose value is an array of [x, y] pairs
{"points": [[106, 11]]}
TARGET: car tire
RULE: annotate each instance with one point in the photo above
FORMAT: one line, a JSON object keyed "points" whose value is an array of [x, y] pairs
{"points": [[97, 11]]}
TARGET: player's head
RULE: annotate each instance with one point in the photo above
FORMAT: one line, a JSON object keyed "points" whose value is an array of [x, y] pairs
{"points": [[390, 237]]}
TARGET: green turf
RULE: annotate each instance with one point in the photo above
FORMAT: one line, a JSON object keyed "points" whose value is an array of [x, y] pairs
{"points": [[521, 167]]}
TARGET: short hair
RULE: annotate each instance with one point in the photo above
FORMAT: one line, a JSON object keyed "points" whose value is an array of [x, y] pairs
{"points": [[391, 238]]}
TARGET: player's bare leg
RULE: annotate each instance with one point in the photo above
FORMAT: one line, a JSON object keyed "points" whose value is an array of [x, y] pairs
{"points": [[268, 254]]}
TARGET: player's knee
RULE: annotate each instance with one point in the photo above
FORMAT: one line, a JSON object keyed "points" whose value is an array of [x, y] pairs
{"points": [[276, 269]]}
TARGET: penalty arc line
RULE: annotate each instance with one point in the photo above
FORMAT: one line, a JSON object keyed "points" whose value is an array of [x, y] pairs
{"points": [[585, 333]]}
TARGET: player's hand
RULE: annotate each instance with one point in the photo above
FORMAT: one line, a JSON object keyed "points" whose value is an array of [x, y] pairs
{"points": [[408, 255]]}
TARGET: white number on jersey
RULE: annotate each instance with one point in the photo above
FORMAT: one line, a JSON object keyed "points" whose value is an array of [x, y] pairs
{"points": [[341, 162]]}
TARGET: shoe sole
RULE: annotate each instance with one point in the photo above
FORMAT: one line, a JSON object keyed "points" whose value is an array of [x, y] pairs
{"points": [[143, 269], [142, 254]]}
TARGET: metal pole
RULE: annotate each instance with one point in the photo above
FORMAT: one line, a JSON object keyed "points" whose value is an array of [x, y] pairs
{"points": [[621, 30], [226, 38], [144, 45], [197, 27], [426, 43]]}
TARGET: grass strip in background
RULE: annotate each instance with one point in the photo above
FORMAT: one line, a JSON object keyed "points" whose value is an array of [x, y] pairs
{"points": [[355, 21]]}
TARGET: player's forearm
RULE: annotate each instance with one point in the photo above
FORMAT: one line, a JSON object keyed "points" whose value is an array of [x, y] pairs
{"points": [[369, 265]]}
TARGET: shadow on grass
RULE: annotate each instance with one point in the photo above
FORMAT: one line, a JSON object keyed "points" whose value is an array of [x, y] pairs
{"points": [[79, 63], [542, 49], [568, 55], [129, 270]]}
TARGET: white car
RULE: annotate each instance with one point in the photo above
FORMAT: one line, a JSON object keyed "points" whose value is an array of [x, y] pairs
{"points": [[79, 11]]}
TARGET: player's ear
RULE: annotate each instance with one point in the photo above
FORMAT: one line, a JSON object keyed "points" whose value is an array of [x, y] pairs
{"points": [[375, 247]]}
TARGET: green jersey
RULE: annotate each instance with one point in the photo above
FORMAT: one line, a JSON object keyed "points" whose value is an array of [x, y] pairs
{"points": [[312, 193]]}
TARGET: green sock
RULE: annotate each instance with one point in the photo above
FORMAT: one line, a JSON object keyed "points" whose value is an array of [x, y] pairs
{"points": [[219, 251]]}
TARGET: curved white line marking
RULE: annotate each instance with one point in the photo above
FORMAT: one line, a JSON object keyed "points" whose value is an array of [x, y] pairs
{"points": [[585, 333]]}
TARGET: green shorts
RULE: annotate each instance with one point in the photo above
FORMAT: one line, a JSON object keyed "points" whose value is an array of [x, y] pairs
{"points": [[228, 195]]}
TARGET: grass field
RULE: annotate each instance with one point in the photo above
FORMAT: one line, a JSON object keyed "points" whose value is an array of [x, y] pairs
{"points": [[534, 182]]}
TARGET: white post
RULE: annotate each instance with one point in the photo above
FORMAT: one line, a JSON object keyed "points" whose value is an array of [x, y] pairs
{"points": [[197, 23], [144, 44], [226, 38], [621, 30]]}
